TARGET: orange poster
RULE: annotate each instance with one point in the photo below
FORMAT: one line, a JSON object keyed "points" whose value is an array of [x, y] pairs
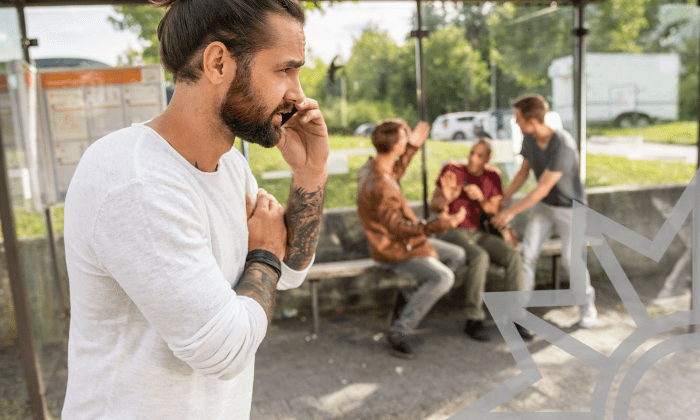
{"points": [[90, 78]]}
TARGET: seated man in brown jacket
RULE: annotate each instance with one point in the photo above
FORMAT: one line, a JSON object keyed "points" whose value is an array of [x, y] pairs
{"points": [[395, 236]]}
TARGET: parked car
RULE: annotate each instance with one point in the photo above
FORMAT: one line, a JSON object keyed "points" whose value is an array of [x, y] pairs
{"points": [[494, 123], [364, 130], [453, 126]]}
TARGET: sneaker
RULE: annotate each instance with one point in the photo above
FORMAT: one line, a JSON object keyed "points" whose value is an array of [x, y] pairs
{"points": [[398, 342], [476, 330], [524, 333], [589, 315]]}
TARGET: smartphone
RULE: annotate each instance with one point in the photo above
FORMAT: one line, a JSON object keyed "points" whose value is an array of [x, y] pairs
{"points": [[465, 183], [287, 115]]}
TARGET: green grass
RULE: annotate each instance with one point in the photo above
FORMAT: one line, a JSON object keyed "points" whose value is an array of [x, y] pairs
{"points": [[341, 189], [679, 132], [612, 170]]}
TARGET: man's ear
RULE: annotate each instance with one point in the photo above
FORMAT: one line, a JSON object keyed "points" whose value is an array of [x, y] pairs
{"points": [[218, 64]]}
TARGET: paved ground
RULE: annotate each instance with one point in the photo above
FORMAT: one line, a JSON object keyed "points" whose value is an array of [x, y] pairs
{"points": [[347, 372], [638, 150]]}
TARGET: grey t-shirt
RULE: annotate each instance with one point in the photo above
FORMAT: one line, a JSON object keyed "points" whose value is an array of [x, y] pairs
{"points": [[560, 155]]}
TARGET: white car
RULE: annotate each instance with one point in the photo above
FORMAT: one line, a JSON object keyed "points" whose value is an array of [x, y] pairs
{"points": [[453, 126], [364, 130]]}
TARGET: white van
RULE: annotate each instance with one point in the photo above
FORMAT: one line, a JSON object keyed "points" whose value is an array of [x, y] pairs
{"points": [[453, 126]]}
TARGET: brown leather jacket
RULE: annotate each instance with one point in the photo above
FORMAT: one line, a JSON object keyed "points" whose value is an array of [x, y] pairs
{"points": [[394, 233]]}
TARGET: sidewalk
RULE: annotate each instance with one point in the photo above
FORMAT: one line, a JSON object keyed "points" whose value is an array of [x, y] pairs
{"points": [[348, 373]]}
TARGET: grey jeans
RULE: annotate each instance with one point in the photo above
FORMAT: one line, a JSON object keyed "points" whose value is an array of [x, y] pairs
{"points": [[434, 278], [542, 219]]}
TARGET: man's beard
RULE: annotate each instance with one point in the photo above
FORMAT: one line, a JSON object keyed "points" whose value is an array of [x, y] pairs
{"points": [[244, 114]]}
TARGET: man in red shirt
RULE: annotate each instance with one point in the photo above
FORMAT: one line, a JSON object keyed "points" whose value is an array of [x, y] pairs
{"points": [[477, 187]]}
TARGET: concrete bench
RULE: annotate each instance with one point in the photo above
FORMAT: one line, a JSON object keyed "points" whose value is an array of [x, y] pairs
{"points": [[352, 268]]}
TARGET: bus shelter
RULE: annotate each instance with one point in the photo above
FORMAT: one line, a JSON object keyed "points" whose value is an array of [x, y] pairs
{"points": [[18, 284]]}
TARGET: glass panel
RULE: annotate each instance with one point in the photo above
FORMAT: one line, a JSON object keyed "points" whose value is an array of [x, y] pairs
{"points": [[10, 38], [19, 126], [642, 94]]}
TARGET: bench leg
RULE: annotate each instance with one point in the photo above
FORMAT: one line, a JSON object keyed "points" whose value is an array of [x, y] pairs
{"points": [[556, 278], [314, 305]]}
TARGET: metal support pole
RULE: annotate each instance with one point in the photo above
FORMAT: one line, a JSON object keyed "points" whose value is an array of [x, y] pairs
{"points": [[579, 33], [422, 102], [698, 142], [63, 311], [25, 333], [695, 265], [494, 81], [19, 4], [695, 270]]}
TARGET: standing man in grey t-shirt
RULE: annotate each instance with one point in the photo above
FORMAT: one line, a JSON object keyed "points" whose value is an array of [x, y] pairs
{"points": [[553, 156]]}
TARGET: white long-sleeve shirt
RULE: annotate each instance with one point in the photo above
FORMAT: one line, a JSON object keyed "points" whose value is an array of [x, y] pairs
{"points": [[154, 248]]}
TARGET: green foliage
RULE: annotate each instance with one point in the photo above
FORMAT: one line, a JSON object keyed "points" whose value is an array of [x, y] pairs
{"points": [[616, 25], [456, 77], [31, 223], [688, 85], [371, 65], [143, 21], [313, 79], [360, 112], [542, 35], [681, 132]]}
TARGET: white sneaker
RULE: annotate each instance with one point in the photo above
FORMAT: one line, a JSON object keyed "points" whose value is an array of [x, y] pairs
{"points": [[589, 315]]}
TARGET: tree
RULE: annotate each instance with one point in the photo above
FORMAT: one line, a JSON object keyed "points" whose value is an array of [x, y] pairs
{"points": [[313, 79], [456, 77], [617, 25], [370, 66]]}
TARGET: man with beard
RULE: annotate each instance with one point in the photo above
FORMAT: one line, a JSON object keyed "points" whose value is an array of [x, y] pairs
{"points": [[173, 252], [477, 188]]}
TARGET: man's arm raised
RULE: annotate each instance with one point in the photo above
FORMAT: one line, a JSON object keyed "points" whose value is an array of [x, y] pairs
{"points": [[305, 147]]}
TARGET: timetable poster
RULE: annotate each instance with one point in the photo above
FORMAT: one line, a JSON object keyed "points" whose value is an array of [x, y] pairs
{"points": [[81, 106]]}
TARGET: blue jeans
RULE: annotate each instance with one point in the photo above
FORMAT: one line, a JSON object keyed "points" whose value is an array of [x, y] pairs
{"points": [[434, 278]]}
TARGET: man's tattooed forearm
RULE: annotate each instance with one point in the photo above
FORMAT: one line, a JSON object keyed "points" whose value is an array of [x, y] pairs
{"points": [[303, 217], [259, 283]]}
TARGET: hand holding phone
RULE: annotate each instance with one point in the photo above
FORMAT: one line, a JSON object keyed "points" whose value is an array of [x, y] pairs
{"points": [[287, 115]]}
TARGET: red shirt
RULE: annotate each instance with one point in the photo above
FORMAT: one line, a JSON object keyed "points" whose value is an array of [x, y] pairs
{"points": [[488, 181]]}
